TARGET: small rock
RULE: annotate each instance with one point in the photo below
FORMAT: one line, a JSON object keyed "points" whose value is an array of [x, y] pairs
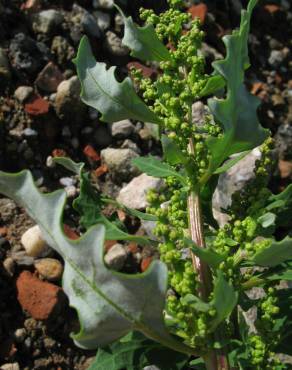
{"points": [[91, 153], [23, 93], [67, 181], [37, 106], [33, 242], [115, 258], [62, 49], [232, 180], [39, 298], [10, 366], [209, 52], [129, 144], [26, 55], [133, 195], [5, 73], [29, 132], [122, 129], [119, 23], [49, 268], [276, 58], [283, 142], [20, 335], [83, 22], [113, 44], [67, 103], [103, 4], [49, 78], [9, 266], [7, 209], [285, 169], [199, 111], [71, 191], [119, 163], [47, 21], [22, 259], [103, 20]]}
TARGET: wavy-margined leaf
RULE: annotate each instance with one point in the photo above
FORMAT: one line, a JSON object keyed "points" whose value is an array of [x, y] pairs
{"points": [[143, 41], [274, 254], [134, 352], [100, 89], [238, 112], [109, 304]]}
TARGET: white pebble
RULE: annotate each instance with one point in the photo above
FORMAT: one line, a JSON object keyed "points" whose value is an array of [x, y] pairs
{"points": [[33, 242]]}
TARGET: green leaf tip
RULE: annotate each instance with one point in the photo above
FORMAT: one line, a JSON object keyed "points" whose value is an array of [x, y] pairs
{"points": [[100, 89], [143, 41], [238, 112]]}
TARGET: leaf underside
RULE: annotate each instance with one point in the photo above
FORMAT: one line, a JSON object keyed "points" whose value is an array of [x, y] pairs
{"points": [[109, 304], [238, 112], [100, 89], [275, 254]]}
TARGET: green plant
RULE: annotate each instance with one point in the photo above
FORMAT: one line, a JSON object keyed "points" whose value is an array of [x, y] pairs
{"points": [[193, 300]]}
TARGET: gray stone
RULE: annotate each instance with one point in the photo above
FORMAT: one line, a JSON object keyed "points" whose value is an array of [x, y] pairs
{"points": [[103, 20], [134, 194], [90, 25], [122, 129], [119, 23], [10, 366], [9, 266], [119, 163], [276, 58], [103, 4], [148, 227], [4, 66], [22, 93], [129, 144], [62, 49], [29, 132], [47, 21], [283, 140], [49, 268], [116, 257], [232, 180], [209, 52], [7, 209], [67, 181], [20, 335], [113, 44], [199, 112], [67, 102]]}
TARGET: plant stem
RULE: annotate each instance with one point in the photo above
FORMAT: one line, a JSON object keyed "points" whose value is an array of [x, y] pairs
{"points": [[214, 360]]}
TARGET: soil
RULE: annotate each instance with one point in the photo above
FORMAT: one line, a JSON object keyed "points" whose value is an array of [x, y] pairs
{"points": [[35, 333]]}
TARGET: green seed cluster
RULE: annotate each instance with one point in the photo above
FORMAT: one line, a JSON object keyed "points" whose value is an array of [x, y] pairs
{"points": [[171, 227]]}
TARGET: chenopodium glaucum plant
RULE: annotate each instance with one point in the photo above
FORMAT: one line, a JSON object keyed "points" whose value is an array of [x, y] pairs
{"points": [[194, 299]]}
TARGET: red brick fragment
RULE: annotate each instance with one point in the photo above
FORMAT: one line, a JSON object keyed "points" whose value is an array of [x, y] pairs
{"points": [[59, 153], [272, 8], [285, 169], [256, 87], [39, 298], [37, 106], [91, 153], [70, 233], [3, 231], [101, 170], [31, 5], [121, 215], [198, 11], [146, 71], [133, 248], [145, 263]]}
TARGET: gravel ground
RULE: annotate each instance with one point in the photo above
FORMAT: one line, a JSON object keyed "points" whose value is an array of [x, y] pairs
{"points": [[41, 116]]}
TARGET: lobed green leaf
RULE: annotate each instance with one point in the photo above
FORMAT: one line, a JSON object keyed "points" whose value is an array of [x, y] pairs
{"points": [[100, 90]]}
